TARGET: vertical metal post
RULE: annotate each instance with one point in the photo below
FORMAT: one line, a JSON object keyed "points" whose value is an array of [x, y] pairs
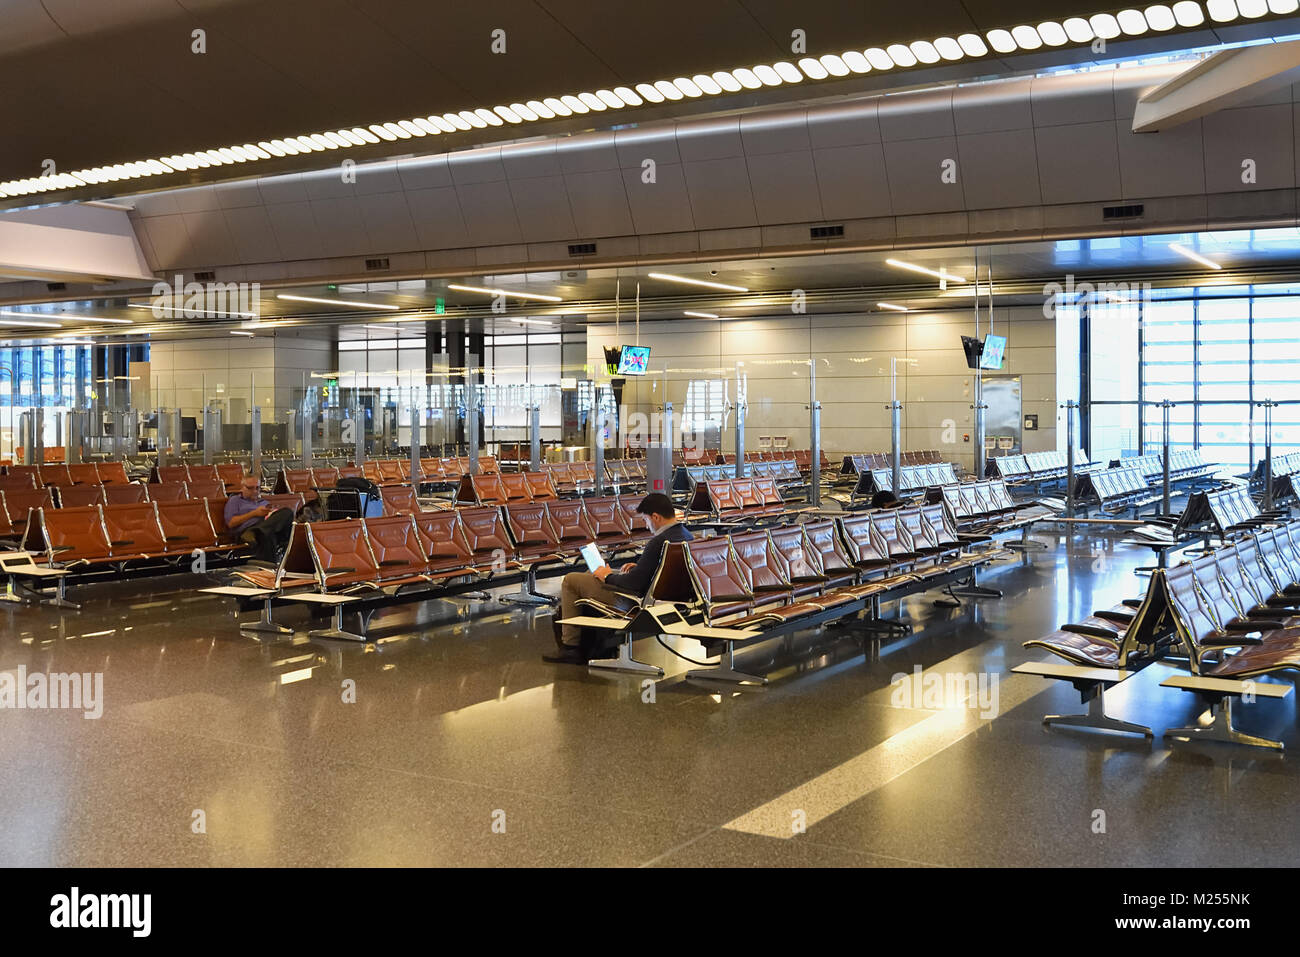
{"points": [[358, 430], [979, 407], [895, 427], [76, 435], [741, 404], [1165, 406], [212, 433], [814, 438], [1268, 405], [471, 411], [416, 471], [255, 442], [535, 436], [120, 428], [1069, 407], [308, 418], [598, 420], [26, 438]]}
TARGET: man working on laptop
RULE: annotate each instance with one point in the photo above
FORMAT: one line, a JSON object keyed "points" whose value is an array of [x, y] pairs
{"points": [[604, 584], [255, 521]]}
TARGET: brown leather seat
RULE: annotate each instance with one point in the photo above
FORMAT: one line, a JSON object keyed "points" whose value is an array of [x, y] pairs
{"points": [[84, 473], [826, 548], [606, 519], [535, 537], [19, 504], [134, 532], [399, 500], [569, 518], [442, 538], [486, 534], [491, 490], [55, 475], [206, 488], [72, 536], [351, 471], [390, 472], [397, 548], [74, 496], [721, 586], [898, 543], [112, 473], [325, 477], [231, 475], [540, 486], [487, 464], [126, 494], [187, 526], [371, 471], [799, 564], [867, 549], [168, 492], [514, 485], [172, 473], [764, 578], [21, 480], [635, 521], [342, 553]]}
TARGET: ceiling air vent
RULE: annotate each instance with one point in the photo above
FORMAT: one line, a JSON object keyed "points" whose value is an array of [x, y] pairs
{"points": [[582, 249], [205, 277], [373, 264], [1133, 211], [826, 232], [56, 286]]}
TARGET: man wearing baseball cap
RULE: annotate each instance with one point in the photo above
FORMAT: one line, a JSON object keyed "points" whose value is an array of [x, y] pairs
{"points": [[604, 584]]}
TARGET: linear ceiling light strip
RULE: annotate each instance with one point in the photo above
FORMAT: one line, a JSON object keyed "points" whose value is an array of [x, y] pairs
{"points": [[1131, 22]]}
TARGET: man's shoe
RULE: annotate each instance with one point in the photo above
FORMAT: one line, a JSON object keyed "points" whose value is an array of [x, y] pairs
{"points": [[566, 655], [558, 631]]}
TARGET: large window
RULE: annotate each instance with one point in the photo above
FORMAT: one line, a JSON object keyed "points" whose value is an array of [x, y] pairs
{"points": [[1213, 352]]}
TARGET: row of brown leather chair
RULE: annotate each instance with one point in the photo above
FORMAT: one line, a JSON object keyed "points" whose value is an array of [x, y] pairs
{"points": [[86, 473], [773, 576]]}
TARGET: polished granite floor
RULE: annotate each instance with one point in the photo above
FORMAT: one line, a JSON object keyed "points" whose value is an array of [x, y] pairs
{"points": [[463, 748]]}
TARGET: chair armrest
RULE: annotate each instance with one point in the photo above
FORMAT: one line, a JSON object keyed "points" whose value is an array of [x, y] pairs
{"points": [[808, 579], [1239, 626], [1091, 631], [389, 562], [342, 570], [717, 599], [769, 589], [1231, 641], [123, 541]]}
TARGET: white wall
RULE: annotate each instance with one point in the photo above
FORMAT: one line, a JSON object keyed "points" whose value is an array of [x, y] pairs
{"points": [[853, 355]]}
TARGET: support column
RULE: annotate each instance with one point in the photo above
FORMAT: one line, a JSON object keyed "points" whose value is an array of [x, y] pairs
{"points": [[1070, 408], [535, 437], [1165, 406], [471, 410], [814, 438]]}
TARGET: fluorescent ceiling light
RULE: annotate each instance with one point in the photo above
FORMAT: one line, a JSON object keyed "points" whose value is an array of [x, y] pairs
{"points": [[1188, 13], [1252, 8], [533, 322], [336, 302], [76, 318], [35, 324], [504, 292], [1195, 257], [890, 305], [696, 282], [922, 269], [701, 315], [1001, 41], [241, 332], [1160, 17], [206, 312]]}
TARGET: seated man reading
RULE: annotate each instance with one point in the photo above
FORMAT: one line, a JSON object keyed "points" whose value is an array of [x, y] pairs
{"points": [[254, 520], [604, 584]]}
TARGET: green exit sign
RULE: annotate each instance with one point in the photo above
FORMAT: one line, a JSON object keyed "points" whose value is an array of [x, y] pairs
{"points": [[440, 306]]}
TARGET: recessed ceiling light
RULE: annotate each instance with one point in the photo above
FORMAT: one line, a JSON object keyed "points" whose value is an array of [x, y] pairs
{"points": [[504, 292], [922, 269], [1195, 257], [336, 302], [696, 282]]}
